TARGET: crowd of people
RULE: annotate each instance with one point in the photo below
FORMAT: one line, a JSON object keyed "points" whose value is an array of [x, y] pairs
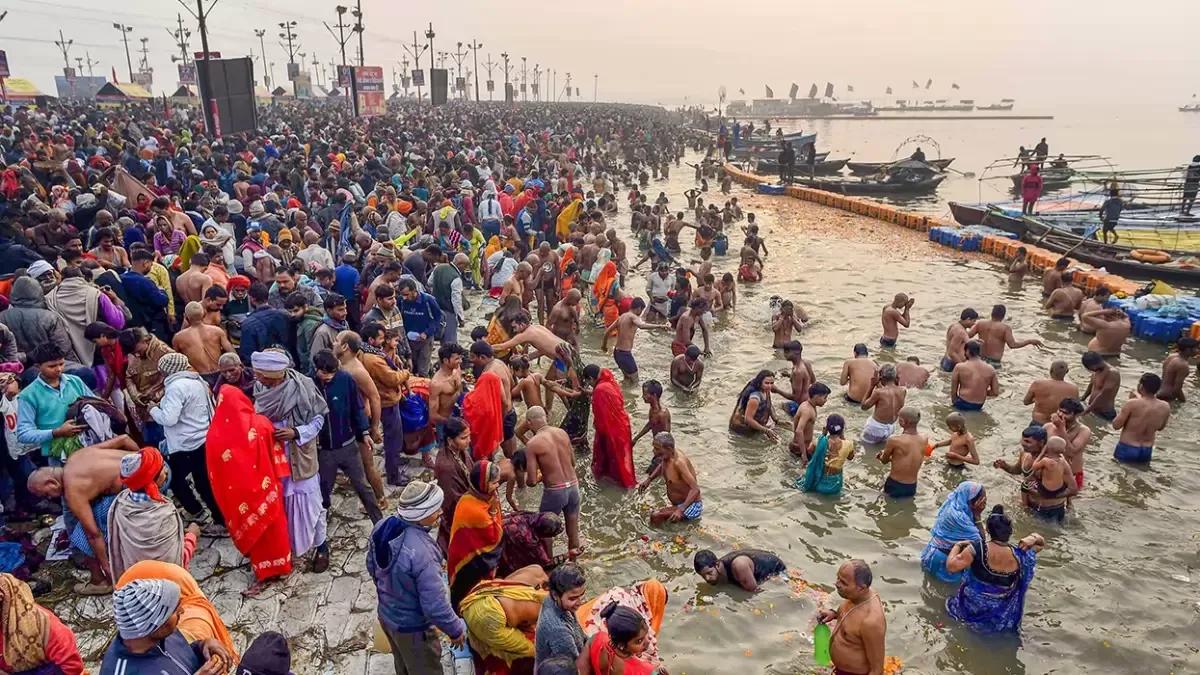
{"points": [[198, 335]]}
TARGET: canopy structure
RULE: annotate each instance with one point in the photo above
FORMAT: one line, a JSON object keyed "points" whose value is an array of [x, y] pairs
{"points": [[20, 91], [122, 92], [185, 92]]}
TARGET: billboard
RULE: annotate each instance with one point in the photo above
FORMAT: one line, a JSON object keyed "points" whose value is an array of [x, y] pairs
{"points": [[144, 78], [3, 63], [418, 78], [344, 73], [293, 71], [187, 73], [232, 93], [438, 85], [370, 98], [84, 87]]}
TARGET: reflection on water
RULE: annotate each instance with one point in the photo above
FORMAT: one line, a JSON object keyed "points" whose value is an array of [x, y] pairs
{"points": [[1104, 598]]}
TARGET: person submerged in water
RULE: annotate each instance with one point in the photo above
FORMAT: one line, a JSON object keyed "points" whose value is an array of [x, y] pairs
{"points": [[895, 315], [960, 447], [973, 381], [887, 398], [858, 375], [747, 568], [687, 369], [1101, 393], [905, 452], [1140, 420], [683, 490]]}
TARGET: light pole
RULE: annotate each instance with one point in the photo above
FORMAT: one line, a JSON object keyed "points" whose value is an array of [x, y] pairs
{"points": [[524, 81], [259, 33], [125, 31], [475, 45], [429, 34], [595, 86], [289, 34], [504, 55]]}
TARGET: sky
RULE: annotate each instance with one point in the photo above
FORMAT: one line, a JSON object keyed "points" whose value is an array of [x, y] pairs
{"points": [[675, 51]]}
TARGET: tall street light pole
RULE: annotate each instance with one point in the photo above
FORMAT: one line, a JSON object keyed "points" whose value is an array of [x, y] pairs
{"points": [[125, 31], [504, 55], [259, 33], [475, 45]]}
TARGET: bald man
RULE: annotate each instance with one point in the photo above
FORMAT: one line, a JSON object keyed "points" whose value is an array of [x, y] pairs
{"points": [[88, 483], [895, 315], [202, 343], [549, 451]]}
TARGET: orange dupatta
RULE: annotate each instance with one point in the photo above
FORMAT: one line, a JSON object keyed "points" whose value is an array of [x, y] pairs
{"points": [[198, 620], [477, 530]]}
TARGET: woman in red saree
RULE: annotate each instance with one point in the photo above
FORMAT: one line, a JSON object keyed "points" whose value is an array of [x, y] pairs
{"points": [[483, 409], [612, 450], [245, 465], [606, 288], [477, 533]]}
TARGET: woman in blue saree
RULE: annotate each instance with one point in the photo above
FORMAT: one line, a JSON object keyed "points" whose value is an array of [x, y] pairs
{"points": [[824, 471], [996, 577], [957, 520]]}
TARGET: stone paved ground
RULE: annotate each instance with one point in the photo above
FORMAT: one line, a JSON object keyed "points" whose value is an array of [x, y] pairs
{"points": [[328, 618]]}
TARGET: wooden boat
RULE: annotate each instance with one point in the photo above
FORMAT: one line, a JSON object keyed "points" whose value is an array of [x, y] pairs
{"points": [[871, 168], [1004, 105], [1114, 258], [823, 168], [967, 214], [1052, 179], [904, 177]]}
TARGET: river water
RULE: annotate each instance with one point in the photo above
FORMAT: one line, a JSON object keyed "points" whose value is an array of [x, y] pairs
{"points": [[1112, 591], [1120, 133]]}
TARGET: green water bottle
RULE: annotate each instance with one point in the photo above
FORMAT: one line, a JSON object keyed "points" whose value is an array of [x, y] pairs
{"points": [[822, 636]]}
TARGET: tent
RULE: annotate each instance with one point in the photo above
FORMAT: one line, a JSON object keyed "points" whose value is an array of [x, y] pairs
{"points": [[123, 92], [20, 91], [262, 94], [186, 93]]}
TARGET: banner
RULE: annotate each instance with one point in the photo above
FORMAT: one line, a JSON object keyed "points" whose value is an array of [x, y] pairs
{"points": [[344, 74], [187, 73], [418, 78], [491, 86], [460, 83], [369, 91], [3, 63]]}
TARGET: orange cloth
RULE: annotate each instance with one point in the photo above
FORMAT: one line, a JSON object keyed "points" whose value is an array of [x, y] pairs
{"points": [[483, 409], [612, 448], [602, 290], [198, 619], [477, 530]]}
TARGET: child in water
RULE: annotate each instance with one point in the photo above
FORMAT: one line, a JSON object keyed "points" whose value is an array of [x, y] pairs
{"points": [[961, 443]]}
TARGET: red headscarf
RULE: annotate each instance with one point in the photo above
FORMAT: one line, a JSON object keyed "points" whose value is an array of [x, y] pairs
{"points": [[239, 281], [145, 479]]}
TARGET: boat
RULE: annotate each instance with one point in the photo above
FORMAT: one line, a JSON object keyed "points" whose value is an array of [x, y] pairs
{"points": [[1052, 179], [871, 168], [1191, 107], [797, 138], [905, 177], [1004, 105], [1116, 259], [821, 168], [941, 105]]}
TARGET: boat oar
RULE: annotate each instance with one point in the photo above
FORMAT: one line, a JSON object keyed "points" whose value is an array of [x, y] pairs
{"points": [[964, 174]]}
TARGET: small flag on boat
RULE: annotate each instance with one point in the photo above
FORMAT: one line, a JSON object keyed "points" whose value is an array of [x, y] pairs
{"points": [[954, 86], [915, 85], [850, 88], [812, 91], [828, 90], [889, 90], [770, 94], [794, 91], [929, 83]]}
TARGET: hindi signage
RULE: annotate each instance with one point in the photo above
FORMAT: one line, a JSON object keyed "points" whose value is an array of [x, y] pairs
{"points": [[369, 91]]}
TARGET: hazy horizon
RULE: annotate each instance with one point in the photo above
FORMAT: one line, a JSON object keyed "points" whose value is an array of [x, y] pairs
{"points": [[672, 52]]}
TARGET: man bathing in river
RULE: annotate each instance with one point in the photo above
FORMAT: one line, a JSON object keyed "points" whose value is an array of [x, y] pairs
{"points": [[747, 567], [906, 453], [549, 453], [858, 643], [790, 318], [1101, 393], [996, 335], [1111, 327], [858, 375], [683, 490], [685, 328], [1046, 395], [887, 398], [625, 328], [800, 375], [911, 374], [895, 315], [1092, 304], [1064, 300], [1140, 420], [1052, 278], [973, 382], [1176, 368], [806, 419], [1064, 424], [658, 417], [687, 369], [956, 339]]}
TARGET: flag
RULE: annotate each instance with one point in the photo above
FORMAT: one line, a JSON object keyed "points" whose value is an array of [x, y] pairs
{"points": [[889, 90], [812, 92], [795, 90], [915, 85], [954, 86], [828, 90], [929, 83], [850, 88], [770, 94], [742, 92], [114, 74]]}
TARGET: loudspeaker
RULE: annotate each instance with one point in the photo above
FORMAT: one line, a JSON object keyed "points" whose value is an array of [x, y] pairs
{"points": [[231, 86], [438, 86]]}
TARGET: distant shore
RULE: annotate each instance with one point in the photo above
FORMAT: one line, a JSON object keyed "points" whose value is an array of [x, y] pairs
{"points": [[866, 118]]}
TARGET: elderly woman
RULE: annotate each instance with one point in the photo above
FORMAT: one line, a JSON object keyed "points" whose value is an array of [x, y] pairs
{"points": [[996, 576], [957, 520]]}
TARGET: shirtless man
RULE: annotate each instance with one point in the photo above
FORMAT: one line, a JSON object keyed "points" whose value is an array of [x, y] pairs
{"points": [[1019, 266], [549, 452], [1052, 278], [687, 370], [683, 490], [192, 284], [1176, 368], [895, 315], [1092, 304], [1101, 393], [1046, 395], [564, 318], [1064, 300], [859, 373], [789, 318], [88, 483], [912, 375], [484, 361], [625, 328], [1140, 420], [672, 226], [548, 280], [446, 385], [751, 268], [956, 339], [685, 328], [1112, 328], [1064, 423], [996, 335], [806, 419], [214, 301], [887, 398], [658, 417], [370, 397], [620, 253], [528, 387], [801, 373], [202, 343], [516, 284], [709, 293], [857, 644], [906, 453], [973, 381]]}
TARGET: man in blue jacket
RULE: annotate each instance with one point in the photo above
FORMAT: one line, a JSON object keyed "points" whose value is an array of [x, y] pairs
{"points": [[146, 301], [265, 326], [410, 581], [422, 321], [346, 425]]}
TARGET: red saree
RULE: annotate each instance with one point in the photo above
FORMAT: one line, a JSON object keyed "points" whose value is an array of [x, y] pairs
{"points": [[245, 465], [612, 450], [483, 409]]}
